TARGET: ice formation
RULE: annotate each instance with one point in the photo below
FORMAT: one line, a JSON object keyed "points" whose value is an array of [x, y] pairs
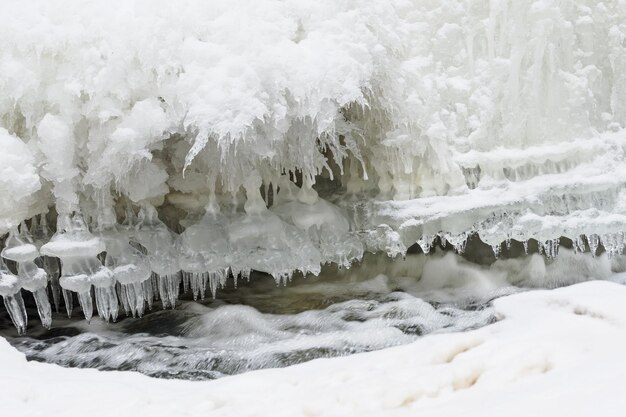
{"points": [[20, 249], [279, 136]]}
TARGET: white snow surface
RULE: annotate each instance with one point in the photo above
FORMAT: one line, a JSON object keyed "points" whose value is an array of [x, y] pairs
{"points": [[552, 353]]}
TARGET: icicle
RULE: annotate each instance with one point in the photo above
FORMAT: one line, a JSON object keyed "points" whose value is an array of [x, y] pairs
{"points": [[551, 248], [86, 304], [169, 287], [78, 251], [620, 242], [130, 268], [236, 277], [135, 298], [508, 243], [148, 292], [213, 282], [41, 233], [525, 243], [173, 282], [194, 284], [443, 240], [610, 244], [425, 242], [579, 244], [496, 250], [43, 307], [154, 285], [21, 250], [51, 266], [217, 279], [68, 299], [186, 282], [458, 242], [34, 279], [282, 278], [203, 284], [10, 292], [460, 246], [123, 297], [594, 242], [163, 257], [107, 303], [17, 311], [245, 274]]}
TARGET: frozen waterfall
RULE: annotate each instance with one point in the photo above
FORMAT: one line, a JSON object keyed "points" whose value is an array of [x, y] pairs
{"points": [[150, 147]]}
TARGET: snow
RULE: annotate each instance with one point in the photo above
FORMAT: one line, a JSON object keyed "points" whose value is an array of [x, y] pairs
{"points": [[153, 102], [556, 353], [19, 181]]}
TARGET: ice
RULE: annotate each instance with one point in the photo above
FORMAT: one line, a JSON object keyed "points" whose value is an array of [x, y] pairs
{"points": [[205, 252], [12, 297], [594, 241], [432, 100], [78, 249], [19, 180], [129, 266], [162, 255], [327, 225], [260, 240], [459, 242], [20, 249], [41, 234], [502, 121], [425, 243]]}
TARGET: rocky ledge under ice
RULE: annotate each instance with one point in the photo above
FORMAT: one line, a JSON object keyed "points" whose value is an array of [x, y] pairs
{"points": [[556, 353]]}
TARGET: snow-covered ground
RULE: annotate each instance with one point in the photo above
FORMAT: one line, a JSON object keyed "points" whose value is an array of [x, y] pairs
{"points": [[552, 353]]}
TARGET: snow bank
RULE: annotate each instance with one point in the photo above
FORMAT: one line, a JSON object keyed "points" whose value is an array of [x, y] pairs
{"points": [[556, 353]]}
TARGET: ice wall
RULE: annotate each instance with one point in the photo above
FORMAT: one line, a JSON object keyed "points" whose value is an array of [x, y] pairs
{"points": [[304, 132]]}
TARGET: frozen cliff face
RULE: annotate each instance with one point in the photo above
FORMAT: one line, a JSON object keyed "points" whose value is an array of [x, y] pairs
{"points": [[305, 132]]}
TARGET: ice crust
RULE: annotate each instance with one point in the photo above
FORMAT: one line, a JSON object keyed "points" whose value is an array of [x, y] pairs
{"points": [[312, 133]]}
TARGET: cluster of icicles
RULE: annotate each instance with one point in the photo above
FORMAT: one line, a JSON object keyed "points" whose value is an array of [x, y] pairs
{"points": [[142, 260], [613, 244]]}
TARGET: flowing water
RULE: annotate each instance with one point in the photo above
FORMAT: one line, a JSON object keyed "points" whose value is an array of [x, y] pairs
{"points": [[259, 325]]}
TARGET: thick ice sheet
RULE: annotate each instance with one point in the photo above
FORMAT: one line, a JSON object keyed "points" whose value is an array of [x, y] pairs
{"points": [[556, 353]]}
